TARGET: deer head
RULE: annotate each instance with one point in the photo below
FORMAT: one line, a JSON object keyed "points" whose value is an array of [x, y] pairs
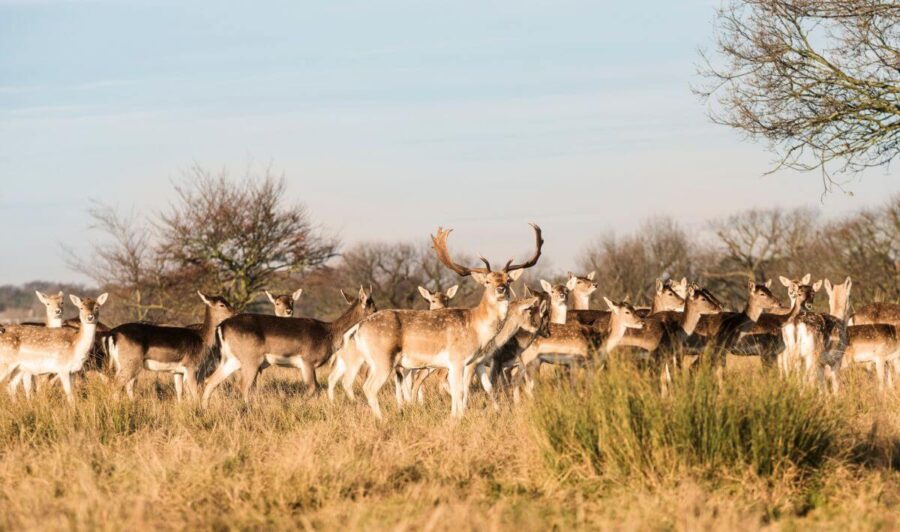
{"points": [[437, 299], [53, 302], [496, 283], [838, 297], [88, 309], [625, 314], [760, 296], [801, 292], [284, 303]]}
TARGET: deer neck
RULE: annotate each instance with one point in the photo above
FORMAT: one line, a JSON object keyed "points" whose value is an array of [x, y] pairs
{"points": [[616, 333], [53, 322], [838, 309], [581, 301], [488, 317], [753, 310], [348, 319], [208, 332], [689, 319], [84, 340], [558, 313]]}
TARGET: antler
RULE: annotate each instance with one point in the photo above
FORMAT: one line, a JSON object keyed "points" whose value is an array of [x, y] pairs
{"points": [[538, 243], [439, 242]]}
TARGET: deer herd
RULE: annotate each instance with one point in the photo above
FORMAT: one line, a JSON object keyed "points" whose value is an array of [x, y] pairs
{"points": [[500, 343]]}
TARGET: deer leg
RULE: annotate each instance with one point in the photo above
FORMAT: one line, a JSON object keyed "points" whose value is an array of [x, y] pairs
{"points": [[455, 377], [190, 382], [398, 388], [248, 379], [178, 378], [340, 367], [879, 372], [378, 374], [418, 380], [228, 366], [66, 380], [27, 381], [13, 384], [308, 372]]}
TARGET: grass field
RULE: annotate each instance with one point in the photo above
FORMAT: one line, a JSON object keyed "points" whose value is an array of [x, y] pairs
{"points": [[606, 452]]}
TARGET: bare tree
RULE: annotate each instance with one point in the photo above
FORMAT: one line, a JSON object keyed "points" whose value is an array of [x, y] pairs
{"points": [[818, 79], [238, 235], [628, 266]]}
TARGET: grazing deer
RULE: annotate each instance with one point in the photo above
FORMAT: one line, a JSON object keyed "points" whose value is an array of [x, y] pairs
{"points": [[61, 351], [181, 351], [582, 290], [877, 343], [448, 338], [284, 303], [559, 297], [250, 340], [571, 343]]}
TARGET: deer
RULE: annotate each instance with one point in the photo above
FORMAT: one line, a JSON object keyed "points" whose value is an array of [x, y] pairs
{"points": [[876, 343], [447, 338], [42, 350], [181, 351], [665, 333], [284, 303], [248, 341], [729, 328], [667, 297], [872, 313], [571, 343], [53, 304], [582, 290], [798, 326], [349, 361], [559, 297]]}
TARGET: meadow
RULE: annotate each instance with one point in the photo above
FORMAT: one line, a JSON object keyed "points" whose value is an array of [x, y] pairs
{"points": [[605, 451]]}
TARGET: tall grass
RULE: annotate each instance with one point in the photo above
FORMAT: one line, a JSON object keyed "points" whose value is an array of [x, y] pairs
{"points": [[615, 423]]}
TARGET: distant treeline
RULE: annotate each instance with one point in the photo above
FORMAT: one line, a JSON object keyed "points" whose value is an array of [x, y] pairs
{"points": [[239, 237]]}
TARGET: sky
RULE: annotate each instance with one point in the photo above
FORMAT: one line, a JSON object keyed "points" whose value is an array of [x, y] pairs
{"points": [[388, 118]]}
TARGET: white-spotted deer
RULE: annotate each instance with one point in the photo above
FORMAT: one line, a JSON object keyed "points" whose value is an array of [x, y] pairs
{"points": [[181, 351], [876, 343], [284, 303], [59, 351], [559, 298], [728, 329], [248, 341], [53, 305], [448, 338]]}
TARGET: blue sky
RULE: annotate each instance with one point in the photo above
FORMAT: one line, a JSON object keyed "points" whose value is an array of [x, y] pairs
{"points": [[388, 118]]}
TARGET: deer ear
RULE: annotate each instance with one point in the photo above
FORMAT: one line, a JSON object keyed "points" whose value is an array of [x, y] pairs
{"points": [[42, 297], [848, 283], [659, 286], [571, 275], [296, 295], [828, 287], [527, 291], [571, 283], [627, 299], [817, 285], [452, 291], [513, 292], [591, 275], [768, 283], [546, 286], [75, 300], [515, 274], [270, 296], [751, 285], [425, 293], [612, 306], [806, 279], [347, 299], [101, 299], [204, 298], [363, 296], [784, 280], [529, 303]]}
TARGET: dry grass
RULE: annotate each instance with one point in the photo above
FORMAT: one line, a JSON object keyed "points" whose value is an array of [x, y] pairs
{"points": [[290, 461]]}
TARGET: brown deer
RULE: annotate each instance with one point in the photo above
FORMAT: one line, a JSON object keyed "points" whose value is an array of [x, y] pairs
{"points": [[250, 340], [448, 338], [284, 303], [181, 351], [727, 329], [872, 313], [53, 304], [802, 295], [667, 297], [571, 343], [876, 343], [60, 351], [559, 298], [437, 299]]}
